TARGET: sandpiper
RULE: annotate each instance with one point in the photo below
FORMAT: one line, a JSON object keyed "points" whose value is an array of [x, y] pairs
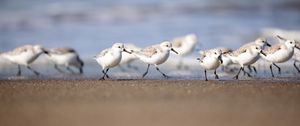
{"points": [[65, 57], [280, 52], [245, 56], [110, 57], [24, 55], [155, 55], [210, 60]]}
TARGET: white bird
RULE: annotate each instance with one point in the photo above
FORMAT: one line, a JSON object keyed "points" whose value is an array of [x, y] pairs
{"points": [[261, 43], [155, 55], [24, 55], [280, 52], [65, 57], [210, 60], [245, 56], [184, 46], [129, 58], [110, 57]]}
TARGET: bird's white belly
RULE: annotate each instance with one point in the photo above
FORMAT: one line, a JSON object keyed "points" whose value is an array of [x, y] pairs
{"points": [[246, 59], [109, 61], [156, 59], [280, 56], [210, 63], [65, 59], [23, 58]]}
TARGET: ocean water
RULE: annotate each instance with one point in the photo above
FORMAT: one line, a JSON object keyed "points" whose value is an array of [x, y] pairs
{"points": [[91, 25]]}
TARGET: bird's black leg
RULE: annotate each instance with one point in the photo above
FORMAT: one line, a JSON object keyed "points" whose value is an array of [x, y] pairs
{"points": [[80, 70], [249, 68], [216, 75], [35, 72], [19, 70], [296, 67], [271, 70], [248, 74], [205, 75], [70, 70], [59, 70], [254, 68], [106, 73], [103, 77], [279, 70], [146, 71], [161, 72], [237, 75]]}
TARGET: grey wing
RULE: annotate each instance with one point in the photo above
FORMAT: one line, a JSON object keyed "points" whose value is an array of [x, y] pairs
{"points": [[21, 50], [150, 51], [102, 53], [273, 49]]}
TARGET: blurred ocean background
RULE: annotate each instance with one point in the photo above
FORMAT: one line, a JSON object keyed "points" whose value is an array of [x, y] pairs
{"points": [[92, 25]]}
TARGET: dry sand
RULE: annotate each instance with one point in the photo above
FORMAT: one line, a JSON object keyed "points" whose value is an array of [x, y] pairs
{"points": [[149, 103]]}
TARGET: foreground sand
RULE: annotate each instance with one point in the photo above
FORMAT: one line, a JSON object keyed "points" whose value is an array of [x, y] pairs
{"points": [[149, 103]]}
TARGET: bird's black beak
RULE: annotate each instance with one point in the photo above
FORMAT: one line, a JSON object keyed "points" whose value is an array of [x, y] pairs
{"points": [[297, 47], [220, 58], [127, 51], [174, 51], [46, 52], [262, 53], [268, 44]]}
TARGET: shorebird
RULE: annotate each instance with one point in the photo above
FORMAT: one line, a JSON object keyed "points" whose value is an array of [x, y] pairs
{"points": [[261, 43], [65, 57], [24, 55], [245, 56], [129, 58], [184, 46], [210, 60], [110, 57], [280, 52], [155, 55]]}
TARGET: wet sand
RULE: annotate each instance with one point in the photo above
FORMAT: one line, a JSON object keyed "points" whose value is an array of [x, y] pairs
{"points": [[149, 102]]}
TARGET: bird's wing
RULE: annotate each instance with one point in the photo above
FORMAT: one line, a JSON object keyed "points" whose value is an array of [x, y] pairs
{"points": [[62, 50], [239, 51], [103, 53], [149, 51], [273, 49], [21, 49]]}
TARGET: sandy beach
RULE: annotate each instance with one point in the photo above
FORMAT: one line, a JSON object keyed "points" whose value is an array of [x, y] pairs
{"points": [[150, 102]]}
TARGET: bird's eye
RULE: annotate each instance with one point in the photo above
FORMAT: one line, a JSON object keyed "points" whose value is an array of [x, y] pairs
{"points": [[216, 53], [290, 42], [256, 48], [167, 45]]}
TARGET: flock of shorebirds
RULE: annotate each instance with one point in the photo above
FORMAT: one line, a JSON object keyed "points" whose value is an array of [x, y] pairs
{"points": [[120, 53]]}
